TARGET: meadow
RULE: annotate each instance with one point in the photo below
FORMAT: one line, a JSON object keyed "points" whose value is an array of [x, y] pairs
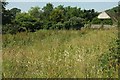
{"points": [[61, 54]]}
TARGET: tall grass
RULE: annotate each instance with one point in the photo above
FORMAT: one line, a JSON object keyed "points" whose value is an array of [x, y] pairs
{"points": [[56, 54]]}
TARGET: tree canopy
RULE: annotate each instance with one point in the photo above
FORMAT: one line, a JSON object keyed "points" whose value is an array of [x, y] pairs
{"points": [[48, 17]]}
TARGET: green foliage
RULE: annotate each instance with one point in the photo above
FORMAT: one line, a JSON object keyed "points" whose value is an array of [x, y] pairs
{"points": [[29, 22], [47, 10], [57, 16], [3, 3], [58, 26], [8, 28], [49, 17], [114, 13], [57, 53], [6, 17], [99, 21], [108, 21], [72, 12], [67, 25], [14, 12], [47, 25], [35, 12], [90, 14], [96, 21], [73, 23], [76, 22], [109, 61]]}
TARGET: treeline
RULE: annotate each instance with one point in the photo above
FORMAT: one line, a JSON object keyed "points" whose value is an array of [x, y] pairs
{"points": [[48, 17]]}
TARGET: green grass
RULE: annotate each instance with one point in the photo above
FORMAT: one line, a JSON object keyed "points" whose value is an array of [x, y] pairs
{"points": [[56, 54]]}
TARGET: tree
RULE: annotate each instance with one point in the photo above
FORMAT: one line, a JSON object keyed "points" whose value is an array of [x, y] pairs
{"points": [[76, 23], [35, 12], [24, 20], [57, 15], [27, 21], [60, 7], [47, 10], [89, 15], [6, 15], [3, 3], [119, 12], [14, 11], [72, 12], [48, 17]]}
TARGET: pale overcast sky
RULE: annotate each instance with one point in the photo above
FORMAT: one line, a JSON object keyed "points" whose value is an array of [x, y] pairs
{"points": [[98, 6], [63, 0]]}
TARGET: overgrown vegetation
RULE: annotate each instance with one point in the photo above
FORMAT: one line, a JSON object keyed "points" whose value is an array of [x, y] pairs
{"points": [[61, 53], [98, 21], [59, 46], [48, 17]]}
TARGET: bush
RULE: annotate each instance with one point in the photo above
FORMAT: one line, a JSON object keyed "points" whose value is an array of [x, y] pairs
{"points": [[99, 21], [58, 26], [109, 61], [96, 21], [67, 25], [29, 22], [108, 21], [22, 29], [47, 25], [9, 28], [76, 22], [38, 25]]}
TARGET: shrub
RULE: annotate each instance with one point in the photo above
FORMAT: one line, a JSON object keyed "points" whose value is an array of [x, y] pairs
{"points": [[99, 21], [47, 25], [76, 23], [96, 21], [58, 26], [22, 29], [67, 25], [9, 28], [108, 21], [109, 61], [29, 22]]}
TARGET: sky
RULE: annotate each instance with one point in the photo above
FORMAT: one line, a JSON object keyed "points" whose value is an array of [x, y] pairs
{"points": [[98, 6], [63, 0]]}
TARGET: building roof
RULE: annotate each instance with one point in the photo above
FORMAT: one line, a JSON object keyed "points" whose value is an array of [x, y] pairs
{"points": [[103, 15]]}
